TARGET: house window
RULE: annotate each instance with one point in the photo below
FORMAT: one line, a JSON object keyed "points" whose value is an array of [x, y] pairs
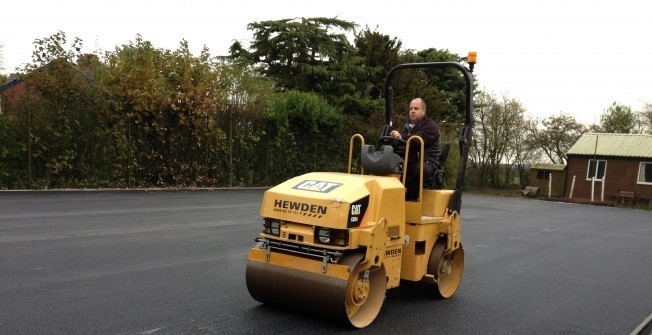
{"points": [[645, 173], [543, 175], [596, 169]]}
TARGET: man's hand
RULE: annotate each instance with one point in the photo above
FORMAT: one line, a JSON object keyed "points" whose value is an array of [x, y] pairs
{"points": [[395, 134]]}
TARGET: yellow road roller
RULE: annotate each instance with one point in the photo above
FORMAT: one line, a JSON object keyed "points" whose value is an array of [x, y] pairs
{"points": [[333, 243]]}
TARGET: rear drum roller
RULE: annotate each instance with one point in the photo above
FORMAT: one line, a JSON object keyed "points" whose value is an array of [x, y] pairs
{"points": [[446, 269]]}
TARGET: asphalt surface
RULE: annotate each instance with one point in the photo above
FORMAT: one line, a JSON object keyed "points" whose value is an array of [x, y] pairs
{"points": [[173, 262]]}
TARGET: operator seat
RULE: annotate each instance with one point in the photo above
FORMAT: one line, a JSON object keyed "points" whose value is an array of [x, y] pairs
{"points": [[381, 162], [437, 180]]}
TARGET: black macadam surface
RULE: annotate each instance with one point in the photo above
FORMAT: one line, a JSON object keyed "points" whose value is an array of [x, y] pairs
{"points": [[172, 262]]}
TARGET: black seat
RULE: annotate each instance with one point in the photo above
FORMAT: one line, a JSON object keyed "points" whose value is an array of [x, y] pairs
{"points": [[381, 162], [437, 180]]}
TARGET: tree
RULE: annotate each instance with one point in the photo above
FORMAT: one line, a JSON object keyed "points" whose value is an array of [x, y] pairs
{"points": [[480, 154], [499, 126], [165, 105], [2, 63], [61, 119], [380, 54], [298, 52], [54, 47], [520, 151], [12, 172], [645, 117], [244, 120], [618, 119], [305, 134], [309, 55], [555, 135]]}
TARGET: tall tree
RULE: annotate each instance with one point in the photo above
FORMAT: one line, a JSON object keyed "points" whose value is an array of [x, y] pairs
{"points": [[64, 119], [190, 139], [310, 55], [555, 135], [136, 85], [618, 118], [2, 64], [520, 151], [499, 126], [298, 52], [380, 54], [244, 119], [645, 117], [166, 104], [54, 47], [480, 155]]}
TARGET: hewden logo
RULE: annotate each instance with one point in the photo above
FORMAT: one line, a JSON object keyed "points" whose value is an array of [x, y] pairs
{"points": [[393, 252], [299, 208], [317, 186]]}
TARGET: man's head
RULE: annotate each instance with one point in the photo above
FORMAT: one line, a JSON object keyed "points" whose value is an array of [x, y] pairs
{"points": [[417, 110]]}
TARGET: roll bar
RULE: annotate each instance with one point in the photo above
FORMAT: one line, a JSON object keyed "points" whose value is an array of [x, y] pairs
{"points": [[466, 133]]}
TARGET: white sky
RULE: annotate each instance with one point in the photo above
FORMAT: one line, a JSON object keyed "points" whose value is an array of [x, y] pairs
{"points": [[575, 56]]}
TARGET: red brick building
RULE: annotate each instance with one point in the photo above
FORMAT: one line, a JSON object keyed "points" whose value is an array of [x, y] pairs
{"points": [[20, 85], [10, 92], [619, 163]]}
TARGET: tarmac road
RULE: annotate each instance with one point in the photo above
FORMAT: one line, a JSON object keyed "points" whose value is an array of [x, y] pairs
{"points": [[173, 262]]}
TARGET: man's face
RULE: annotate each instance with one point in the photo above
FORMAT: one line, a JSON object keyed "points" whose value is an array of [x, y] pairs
{"points": [[416, 111]]}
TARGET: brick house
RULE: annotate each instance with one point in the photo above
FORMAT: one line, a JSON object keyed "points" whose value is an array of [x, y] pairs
{"points": [[620, 164], [10, 92], [20, 85]]}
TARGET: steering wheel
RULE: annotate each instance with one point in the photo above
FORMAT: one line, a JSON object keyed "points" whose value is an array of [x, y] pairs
{"points": [[398, 144]]}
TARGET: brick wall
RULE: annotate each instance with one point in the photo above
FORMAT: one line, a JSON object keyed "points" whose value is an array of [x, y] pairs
{"points": [[10, 96], [620, 174]]}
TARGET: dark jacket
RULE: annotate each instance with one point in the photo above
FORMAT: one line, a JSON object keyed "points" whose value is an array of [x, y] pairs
{"points": [[429, 132]]}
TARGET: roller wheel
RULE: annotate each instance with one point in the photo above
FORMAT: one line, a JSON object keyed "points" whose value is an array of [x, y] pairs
{"points": [[365, 293], [446, 269], [355, 300]]}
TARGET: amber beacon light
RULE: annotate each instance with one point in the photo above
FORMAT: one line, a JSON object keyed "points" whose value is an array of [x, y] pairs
{"points": [[471, 59]]}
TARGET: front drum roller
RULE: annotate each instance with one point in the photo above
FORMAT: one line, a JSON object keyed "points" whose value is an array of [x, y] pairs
{"points": [[446, 269], [354, 297]]}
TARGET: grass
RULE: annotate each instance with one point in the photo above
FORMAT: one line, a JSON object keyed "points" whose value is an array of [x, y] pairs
{"points": [[497, 192]]}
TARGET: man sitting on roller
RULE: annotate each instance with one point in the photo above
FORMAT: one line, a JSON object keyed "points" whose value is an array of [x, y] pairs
{"points": [[428, 130]]}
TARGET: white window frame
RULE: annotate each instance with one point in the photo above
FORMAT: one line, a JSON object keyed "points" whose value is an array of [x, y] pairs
{"points": [[588, 166], [638, 176]]}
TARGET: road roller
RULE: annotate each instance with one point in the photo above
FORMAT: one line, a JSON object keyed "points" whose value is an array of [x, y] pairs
{"points": [[333, 243]]}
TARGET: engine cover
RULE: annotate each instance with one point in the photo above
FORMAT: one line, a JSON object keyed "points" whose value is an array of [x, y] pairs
{"points": [[336, 200]]}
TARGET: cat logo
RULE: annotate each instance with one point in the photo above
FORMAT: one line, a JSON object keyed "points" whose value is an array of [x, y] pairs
{"points": [[357, 212], [317, 186]]}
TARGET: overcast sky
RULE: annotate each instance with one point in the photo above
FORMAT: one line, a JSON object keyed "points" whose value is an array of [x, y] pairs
{"points": [[572, 56]]}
